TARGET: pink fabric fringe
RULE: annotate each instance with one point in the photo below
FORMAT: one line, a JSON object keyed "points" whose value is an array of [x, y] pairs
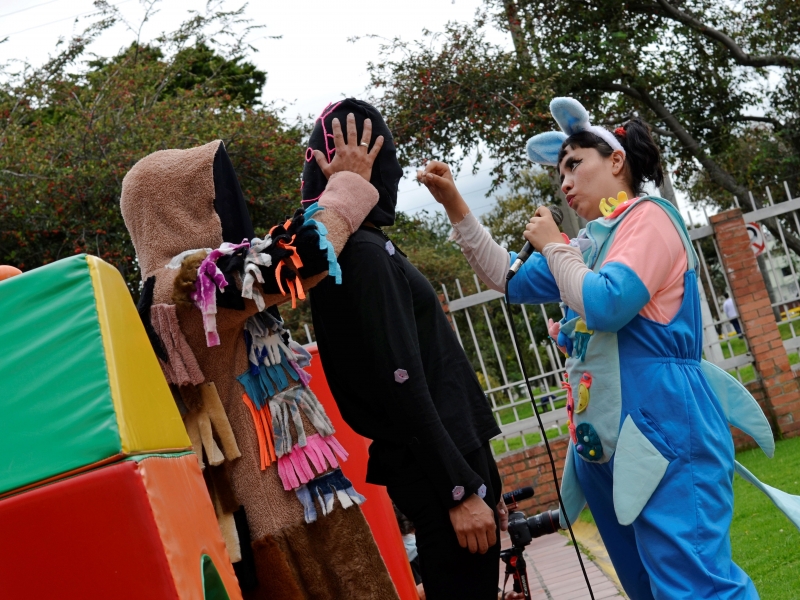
{"points": [[293, 468]]}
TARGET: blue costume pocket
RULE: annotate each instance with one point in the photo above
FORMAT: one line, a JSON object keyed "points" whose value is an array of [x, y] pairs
{"points": [[642, 457]]}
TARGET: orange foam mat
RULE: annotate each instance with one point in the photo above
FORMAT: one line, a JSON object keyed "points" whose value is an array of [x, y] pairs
{"points": [[186, 523]]}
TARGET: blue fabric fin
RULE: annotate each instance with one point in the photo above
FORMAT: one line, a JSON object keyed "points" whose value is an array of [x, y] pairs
{"points": [[571, 491], [638, 469], [740, 408], [787, 503]]}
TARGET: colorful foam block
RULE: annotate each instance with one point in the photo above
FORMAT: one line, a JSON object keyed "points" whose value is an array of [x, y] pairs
{"points": [[140, 528], [79, 382]]}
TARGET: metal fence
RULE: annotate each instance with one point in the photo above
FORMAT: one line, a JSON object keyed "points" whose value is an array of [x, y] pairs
{"points": [[779, 266], [486, 339]]}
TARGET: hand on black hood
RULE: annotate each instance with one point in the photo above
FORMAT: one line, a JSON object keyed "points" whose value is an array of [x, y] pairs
{"points": [[386, 171]]}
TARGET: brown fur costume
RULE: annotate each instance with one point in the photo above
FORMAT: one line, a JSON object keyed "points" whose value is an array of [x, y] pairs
{"points": [[168, 207]]}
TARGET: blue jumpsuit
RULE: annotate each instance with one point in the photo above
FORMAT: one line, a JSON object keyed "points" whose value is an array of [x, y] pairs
{"points": [[652, 453]]}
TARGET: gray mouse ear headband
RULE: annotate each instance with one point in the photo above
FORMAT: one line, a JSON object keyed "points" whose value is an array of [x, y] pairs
{"points": [[570, 115]]}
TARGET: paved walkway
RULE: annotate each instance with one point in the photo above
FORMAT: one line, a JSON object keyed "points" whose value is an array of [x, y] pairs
{"points": [[555, 574]]}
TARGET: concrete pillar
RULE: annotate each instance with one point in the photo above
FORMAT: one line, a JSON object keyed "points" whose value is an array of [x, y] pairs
{"points": [[781, 388]]}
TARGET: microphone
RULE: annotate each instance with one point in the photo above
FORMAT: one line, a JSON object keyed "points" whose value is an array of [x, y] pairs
{"points": [[518, 495], [527, 249]]}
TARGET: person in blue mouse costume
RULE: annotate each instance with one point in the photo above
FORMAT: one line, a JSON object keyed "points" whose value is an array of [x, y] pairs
{"points": [[650, 449]]}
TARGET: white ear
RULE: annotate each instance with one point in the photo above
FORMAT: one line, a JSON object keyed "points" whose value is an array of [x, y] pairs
{"points": [[543, 148], [570, 115]]}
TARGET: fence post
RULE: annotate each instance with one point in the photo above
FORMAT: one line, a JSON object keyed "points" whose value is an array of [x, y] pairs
{"points": [[781, 388]]}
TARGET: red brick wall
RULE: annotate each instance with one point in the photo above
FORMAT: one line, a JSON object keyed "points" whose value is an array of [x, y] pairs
{"points": [[781, 388], [532, 467]]}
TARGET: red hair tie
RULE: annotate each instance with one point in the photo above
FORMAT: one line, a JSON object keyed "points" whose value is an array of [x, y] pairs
{"points": [[620, 131]]}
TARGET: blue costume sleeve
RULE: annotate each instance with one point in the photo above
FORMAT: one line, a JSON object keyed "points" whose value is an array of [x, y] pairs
{"points": [[534, 283], [612, 297]]}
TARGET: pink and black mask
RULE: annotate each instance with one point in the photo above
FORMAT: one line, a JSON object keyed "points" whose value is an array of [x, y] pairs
{"points": [[386, 172]]}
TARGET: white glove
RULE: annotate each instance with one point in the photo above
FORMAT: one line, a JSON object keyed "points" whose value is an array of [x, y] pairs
{"points": [[274, 344]]}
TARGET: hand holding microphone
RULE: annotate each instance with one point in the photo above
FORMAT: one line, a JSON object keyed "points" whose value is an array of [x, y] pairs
{"points": [[542, 230]]}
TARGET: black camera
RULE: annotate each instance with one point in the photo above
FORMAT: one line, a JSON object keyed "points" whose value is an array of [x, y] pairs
{"points": [[522, 530]]}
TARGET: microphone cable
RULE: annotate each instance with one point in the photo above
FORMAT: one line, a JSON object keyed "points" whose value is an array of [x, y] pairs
{"points": [[546, 442]]}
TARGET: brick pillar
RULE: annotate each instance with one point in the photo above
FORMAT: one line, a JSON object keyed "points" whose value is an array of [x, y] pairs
{"points": [[781, 388]]}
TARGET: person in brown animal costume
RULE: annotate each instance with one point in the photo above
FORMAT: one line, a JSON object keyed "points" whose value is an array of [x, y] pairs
{"points": [[203, 288]]}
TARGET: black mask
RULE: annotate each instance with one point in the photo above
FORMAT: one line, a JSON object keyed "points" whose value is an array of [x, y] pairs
{"points": [[229, 201], [386, 171], [230, 205]]}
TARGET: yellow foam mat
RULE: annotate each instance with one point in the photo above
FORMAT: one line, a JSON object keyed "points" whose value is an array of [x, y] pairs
{"points": [[147, 417]]}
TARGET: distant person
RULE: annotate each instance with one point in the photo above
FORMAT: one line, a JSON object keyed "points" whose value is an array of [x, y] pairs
{"points": [[410, 542], [730, 311]]}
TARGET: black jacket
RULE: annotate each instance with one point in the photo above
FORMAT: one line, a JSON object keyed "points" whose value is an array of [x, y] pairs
{"points": [[383, 321]]}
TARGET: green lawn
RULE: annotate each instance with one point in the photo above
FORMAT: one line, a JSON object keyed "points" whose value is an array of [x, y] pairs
{"points": [[531, 439], [525, 411], [765, 543]]}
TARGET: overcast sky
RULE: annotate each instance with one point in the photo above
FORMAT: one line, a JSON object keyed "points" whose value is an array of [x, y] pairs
{"points": [[311, 64]]}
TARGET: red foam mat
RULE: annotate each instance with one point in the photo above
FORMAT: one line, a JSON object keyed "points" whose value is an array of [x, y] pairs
{"points": [[90, 536]]}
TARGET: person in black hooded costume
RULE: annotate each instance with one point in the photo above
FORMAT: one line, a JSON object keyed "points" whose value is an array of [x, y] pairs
{"points": [[401, 379]]}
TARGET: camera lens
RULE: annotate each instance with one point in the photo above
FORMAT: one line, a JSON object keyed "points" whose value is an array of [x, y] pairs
{"points": [[544, 523]]}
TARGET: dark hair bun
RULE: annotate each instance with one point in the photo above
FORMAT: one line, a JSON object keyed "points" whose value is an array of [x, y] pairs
{"points": [[641, 154]]}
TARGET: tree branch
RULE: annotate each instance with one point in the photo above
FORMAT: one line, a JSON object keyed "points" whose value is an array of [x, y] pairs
{"points": [[739, 55], [22, 175], [771, 120], [717, 174], [517, 35]]}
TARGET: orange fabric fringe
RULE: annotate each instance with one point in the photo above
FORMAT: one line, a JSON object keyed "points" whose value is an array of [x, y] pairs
{"points": [[262, 420]]}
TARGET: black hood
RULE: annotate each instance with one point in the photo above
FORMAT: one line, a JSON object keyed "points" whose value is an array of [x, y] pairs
{"points": [[386, 172], [230, 205], [229, 201]]}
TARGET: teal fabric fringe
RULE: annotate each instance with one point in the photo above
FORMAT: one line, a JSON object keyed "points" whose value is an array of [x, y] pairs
{"points": [[334, 270], [581, 344]]}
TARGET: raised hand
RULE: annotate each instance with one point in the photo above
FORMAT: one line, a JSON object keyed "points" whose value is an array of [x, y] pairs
{"points": [[351, 155], [439, 180]]}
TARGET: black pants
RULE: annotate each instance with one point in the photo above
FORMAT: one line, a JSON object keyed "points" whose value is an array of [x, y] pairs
{"points": [[736, 326], [450, 572]]}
